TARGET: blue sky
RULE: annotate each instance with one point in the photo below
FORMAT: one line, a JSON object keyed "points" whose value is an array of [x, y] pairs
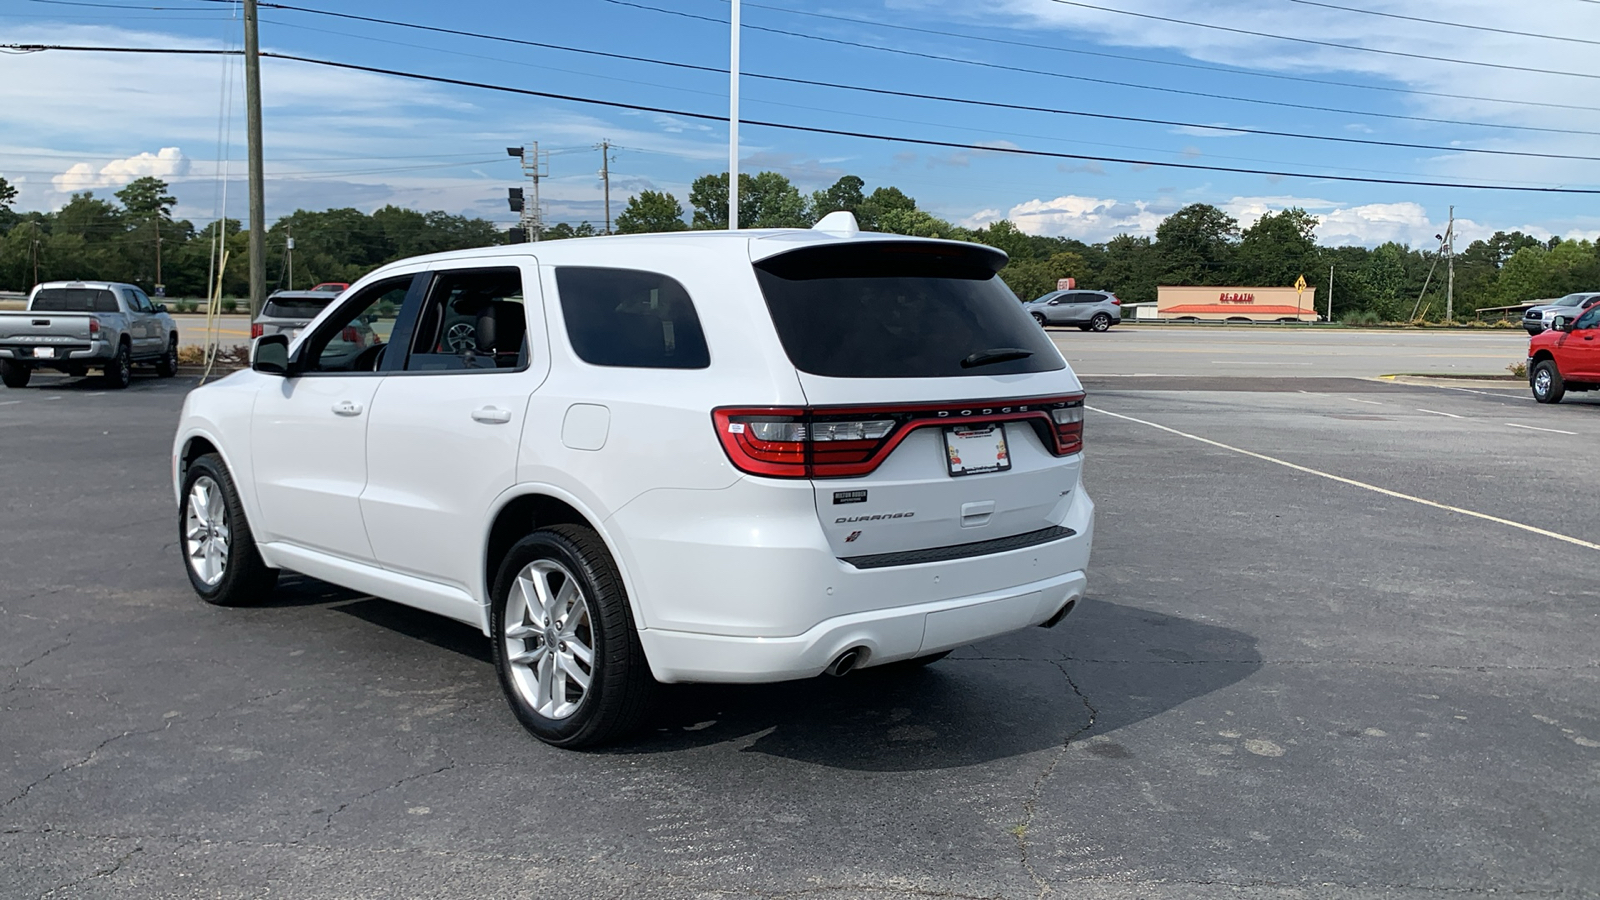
{"points": [[73, 121]]}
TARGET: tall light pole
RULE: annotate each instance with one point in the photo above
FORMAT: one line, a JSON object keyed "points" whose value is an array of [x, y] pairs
{"points": [[733, 121], [258, 213]]}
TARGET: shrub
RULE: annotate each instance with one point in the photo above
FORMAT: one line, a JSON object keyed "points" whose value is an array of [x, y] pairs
{"points": [[230, 305], [1361, 317], [1519, 369]]}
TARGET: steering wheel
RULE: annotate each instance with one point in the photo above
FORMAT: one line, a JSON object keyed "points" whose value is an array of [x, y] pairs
{"points": [[370, 359]]}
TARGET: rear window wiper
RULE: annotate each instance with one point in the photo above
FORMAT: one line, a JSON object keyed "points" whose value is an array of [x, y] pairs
{"points": [[995, 355]]}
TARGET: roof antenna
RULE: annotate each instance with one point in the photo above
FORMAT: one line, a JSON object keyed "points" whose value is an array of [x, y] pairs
{"points": [[841, 223]]}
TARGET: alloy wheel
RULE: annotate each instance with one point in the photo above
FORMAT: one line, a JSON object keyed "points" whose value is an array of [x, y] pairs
{"points": [[549, 639], [206, 531], [1541, 382]]}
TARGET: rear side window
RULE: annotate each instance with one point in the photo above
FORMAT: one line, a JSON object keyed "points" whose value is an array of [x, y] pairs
{"points": [[892, 310], [627, 317], [295, 307], [74, 300]]}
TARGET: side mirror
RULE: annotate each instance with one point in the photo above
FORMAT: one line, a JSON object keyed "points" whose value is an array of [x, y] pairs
{"points": [[270, 354], [161, 307], [1561, 323]]}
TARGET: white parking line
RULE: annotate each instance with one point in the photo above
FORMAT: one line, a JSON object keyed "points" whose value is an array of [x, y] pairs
{"points": [[1437, 413], [1360, 484], [9, 402], [1537, 428], [1373, 402]]}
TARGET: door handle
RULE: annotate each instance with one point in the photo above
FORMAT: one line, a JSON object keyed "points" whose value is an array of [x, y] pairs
{"points": [[490, 415], [347, 408]]}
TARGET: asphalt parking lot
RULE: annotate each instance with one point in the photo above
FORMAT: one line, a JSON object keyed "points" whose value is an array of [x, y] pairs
{"points": [[1340, 642]]}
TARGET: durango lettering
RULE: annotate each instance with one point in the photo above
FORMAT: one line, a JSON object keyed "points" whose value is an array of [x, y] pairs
{"points": [[1226, 297], [899, 515]]}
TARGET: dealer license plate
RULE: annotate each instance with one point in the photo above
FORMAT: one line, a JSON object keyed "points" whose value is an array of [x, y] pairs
{"points": [[44, 352], [976, 450]]}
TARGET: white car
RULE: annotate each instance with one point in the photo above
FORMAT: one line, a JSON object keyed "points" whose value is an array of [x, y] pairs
{"points": [[693, 457]]}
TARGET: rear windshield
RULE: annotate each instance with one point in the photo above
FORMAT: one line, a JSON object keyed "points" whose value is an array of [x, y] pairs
{"points": [[892, 310], [295, 307], [74, 300]]}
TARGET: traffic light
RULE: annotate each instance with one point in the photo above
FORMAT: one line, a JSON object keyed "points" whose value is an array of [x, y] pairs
{"points": [[516, 235], [514, 197]]}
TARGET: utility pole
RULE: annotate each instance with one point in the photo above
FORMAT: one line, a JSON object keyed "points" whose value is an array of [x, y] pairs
{"points": [[1450, 282], [258, 212], [733, 121], [33, 246], [160, 287], [1330, 293], [288, 250], [605, 178]]}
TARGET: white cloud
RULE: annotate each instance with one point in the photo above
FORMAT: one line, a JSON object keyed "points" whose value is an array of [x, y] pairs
{"points": [[1085, 218], [165, 163]]}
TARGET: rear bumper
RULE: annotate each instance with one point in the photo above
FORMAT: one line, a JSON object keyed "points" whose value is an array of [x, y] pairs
{"points": [[884, 636], [89, 353], [741, 585]]}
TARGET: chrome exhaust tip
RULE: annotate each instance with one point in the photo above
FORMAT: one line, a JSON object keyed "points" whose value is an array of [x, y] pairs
{"points": [[846, 661]]}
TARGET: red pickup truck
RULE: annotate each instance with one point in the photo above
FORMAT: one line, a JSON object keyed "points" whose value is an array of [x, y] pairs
{"points": [[1566, 357]]}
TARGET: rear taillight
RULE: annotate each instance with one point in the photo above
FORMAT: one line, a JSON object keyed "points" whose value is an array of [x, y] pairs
{"points": [[1115, 302], [1067, 422], [257, 329], [94, 327], [351, 335], [839, 442]]}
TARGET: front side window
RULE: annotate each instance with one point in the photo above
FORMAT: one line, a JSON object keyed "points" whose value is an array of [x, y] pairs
{"points": [[1590, 319], [888, 309], [627, 317], [471, 319], [357, 336]]}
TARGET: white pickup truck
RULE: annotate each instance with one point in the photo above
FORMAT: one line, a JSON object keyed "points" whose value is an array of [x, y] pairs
{"points": [[74, 326]]}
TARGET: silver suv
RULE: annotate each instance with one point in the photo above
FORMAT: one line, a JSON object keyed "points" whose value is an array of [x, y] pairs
{"points": [[1089, 310]]}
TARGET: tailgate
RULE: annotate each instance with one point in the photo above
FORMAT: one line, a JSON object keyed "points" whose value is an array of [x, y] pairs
{"points": [[959, 472], [44, 328]]}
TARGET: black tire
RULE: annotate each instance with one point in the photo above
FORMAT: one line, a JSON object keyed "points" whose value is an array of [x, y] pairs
{"points": [[245, 579], [1039, 317], [119, 370], [167, 365], [1545, 379], [620, 685], [1100, 322], [15, 375]]}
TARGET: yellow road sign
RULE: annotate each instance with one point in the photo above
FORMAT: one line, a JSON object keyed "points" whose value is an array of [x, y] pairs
{"points": [[1300, 285]]}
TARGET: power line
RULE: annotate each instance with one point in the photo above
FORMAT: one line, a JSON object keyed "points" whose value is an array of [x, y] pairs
{"points": [[962, 100], [1300, 40], [1109, 82], [1226, 70], [713, 69], [1386, 15], [789, 126]]}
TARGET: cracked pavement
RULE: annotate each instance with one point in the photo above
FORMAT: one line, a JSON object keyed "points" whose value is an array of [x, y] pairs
{"points": [[1279, 687]]}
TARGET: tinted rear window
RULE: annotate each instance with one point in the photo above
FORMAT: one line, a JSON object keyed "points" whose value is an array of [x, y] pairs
{"points": [[295, 307], [888, 310], [626, 317], [74, 300]]}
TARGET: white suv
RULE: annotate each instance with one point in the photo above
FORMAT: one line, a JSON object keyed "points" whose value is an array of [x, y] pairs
{"points": [[712, 456]]}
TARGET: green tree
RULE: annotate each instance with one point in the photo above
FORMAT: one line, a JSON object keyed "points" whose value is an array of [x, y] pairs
{"points": [[653, 211], [1005, 235], [564, 230], [845, 194], [917, 223], [766, 200], [1195, 245], [1131, 268], [881, 202], [1277, 249], [8, 194], [147, 198]]}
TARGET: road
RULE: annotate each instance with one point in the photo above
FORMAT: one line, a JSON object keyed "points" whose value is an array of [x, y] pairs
{"points": [[1337, 644], [1268, 352]]}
